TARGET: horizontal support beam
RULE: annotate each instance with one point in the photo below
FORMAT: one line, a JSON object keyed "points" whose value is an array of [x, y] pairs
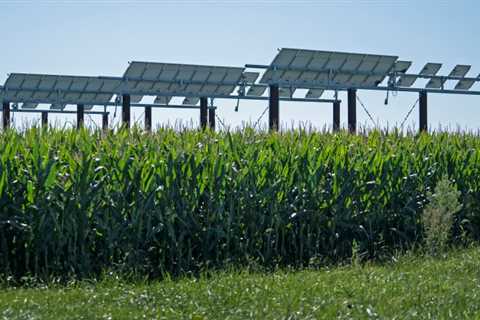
{"points": [[234, 97], [422, 76], [337, 87], [257, 66], [418, 90], [56, 111]]}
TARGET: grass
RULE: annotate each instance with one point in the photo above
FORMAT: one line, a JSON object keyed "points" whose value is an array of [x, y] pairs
{"points": [[414, 287]]}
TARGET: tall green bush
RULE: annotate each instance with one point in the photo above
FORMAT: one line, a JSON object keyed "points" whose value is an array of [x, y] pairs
{"points": [[438, 215]]}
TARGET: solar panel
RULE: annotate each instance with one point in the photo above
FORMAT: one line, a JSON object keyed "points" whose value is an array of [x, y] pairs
{"points": [[358, 80], [250, 77], [58, 88], [223, 90], [57, 106], [430, 69], [460, 70], [135, 99], [402, 66], [314, 93], [178, 79], [326, 68], [308, 76], [436, 83], [192, 101], [162, 100], [29, 105], [465, 84], [286, 92], [406, 80], [256, 91]]}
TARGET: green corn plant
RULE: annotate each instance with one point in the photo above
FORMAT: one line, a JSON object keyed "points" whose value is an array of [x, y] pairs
{"points": [[178, 201]]}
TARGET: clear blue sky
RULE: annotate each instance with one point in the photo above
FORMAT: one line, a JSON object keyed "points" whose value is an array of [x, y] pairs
{"points": [[100, 37]]}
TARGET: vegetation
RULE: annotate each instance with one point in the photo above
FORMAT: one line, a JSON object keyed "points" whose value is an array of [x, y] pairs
{"points": [[438, 215], [74, 204], [411, 288]]}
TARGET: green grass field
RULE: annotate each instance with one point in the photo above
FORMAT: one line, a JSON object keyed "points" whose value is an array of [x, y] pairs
{"points": [[410, 288]]}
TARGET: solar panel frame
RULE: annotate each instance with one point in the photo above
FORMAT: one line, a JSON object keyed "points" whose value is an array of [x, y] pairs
{"points": [[162, 100], [286, 92], [179, 79], [466, 84], [191, 101], [291, 65], [460, 70], [430, 69], [407, 81], [256, 91], [136, 98], [28, 105], [57, 106], [402, 66], [250, 77], [435, 83], [56, 88], [314, 93]]}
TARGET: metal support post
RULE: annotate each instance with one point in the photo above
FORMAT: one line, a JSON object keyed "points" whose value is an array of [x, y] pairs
{"points": [[80, 115], [44, 119], [352, 110], [423, 102], [211, 118], [126, 110], [105, 121], [203, 112], [274, 109], [336, 116], [148, 118], [6, 115]]}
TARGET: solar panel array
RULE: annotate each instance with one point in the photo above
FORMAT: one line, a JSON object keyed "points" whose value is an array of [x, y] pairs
{"points": [[291, 69], [430, 70], [314, 70], [302, 68], [192, 81], [58, 90]]}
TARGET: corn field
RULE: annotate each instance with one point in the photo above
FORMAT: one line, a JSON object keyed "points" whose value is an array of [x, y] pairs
{"points": [[174, 202]]}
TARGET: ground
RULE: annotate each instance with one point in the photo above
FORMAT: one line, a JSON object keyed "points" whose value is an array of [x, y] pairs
{"points": [[412, 287]]}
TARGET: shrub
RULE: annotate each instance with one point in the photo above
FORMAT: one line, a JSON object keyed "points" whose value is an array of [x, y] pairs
{"points": [[438, 216]]}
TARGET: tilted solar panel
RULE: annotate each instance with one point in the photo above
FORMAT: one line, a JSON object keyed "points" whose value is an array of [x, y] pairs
{"points": [[59, 88], [250, 77], [314, 93], [402, 66], [256, 91], [162, 100], [306, 68], [191, 101], [29, 105], [460, 70], [466, 84], [183, 79], [430, 69], [407, 80]]}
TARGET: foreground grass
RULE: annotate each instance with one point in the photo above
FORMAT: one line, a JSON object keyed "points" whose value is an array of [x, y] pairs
{"points": [[412, 288]]}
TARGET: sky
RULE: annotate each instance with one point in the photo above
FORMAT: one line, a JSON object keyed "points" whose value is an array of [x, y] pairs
{"points": [[101, 37]]}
